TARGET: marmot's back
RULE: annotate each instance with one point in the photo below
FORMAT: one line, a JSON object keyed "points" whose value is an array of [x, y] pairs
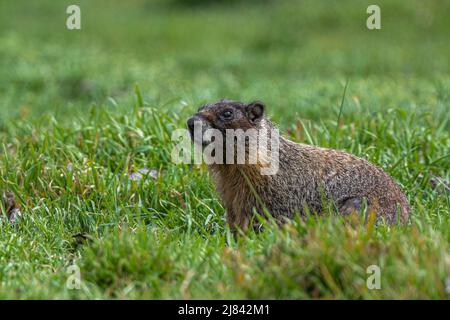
{"points": [[347, 180], [310, 176]]}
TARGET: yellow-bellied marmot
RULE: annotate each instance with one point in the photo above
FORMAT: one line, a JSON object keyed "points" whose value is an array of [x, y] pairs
{"points": [[307, 175]]}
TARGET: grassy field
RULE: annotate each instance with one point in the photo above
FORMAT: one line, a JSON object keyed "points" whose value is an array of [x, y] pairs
{"points": [[82, 111]]}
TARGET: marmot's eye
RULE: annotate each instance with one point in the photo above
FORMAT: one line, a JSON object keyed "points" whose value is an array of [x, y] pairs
{"points": [[227, 114]]}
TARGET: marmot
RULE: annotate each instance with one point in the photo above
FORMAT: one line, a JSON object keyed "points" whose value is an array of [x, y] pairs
{"points": [[306, 176]]}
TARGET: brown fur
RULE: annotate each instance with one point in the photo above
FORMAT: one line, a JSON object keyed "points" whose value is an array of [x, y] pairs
{"points": [[307, 178]]}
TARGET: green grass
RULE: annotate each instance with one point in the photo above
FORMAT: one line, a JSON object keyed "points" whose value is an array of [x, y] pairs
{"points": [[73, 127]]}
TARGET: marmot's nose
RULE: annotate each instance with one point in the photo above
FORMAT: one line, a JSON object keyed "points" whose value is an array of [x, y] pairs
{"points": [[191, 123]]}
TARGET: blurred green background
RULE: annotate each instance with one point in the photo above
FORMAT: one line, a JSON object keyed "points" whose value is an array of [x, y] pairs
{"points": [[294, 55]]}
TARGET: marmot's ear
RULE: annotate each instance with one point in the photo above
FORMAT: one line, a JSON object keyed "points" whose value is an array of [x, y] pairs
{"points": [[255, 111]]}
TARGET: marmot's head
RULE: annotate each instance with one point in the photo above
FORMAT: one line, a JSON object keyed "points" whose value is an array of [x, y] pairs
{"points": [[227, 114]]}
